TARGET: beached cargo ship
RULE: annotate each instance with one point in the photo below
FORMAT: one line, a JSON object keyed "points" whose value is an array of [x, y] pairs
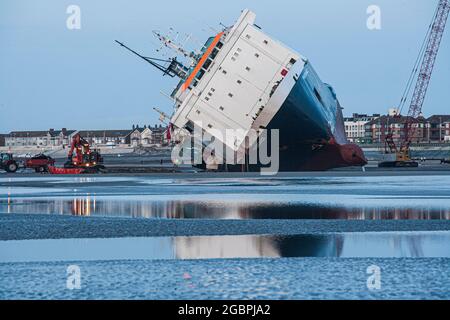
{"points": [[244, 79]]}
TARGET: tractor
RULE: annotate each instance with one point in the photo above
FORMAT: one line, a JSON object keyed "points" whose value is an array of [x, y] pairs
{"points": [[8, 163]]}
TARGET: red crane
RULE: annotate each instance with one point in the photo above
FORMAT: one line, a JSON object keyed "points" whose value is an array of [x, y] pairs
{"points": [[86, 158], [426, 60]]}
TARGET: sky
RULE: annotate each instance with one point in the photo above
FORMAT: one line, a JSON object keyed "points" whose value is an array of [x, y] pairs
{"points": [[54, 77]]}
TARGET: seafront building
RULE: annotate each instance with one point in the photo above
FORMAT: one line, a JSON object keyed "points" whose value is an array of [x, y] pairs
{"points": [[435, 129], [137, 136], [355, 126], [372, 129], [46, 138], [360, 128]]}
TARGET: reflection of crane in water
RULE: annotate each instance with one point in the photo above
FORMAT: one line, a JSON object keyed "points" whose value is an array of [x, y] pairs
{"points": [[413, 245]]}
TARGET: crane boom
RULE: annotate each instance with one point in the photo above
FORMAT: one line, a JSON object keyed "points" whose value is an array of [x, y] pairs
{"points": [[426, 60], [426, 68]]}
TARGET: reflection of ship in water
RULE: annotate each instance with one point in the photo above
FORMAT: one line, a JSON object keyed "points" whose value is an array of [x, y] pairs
{"points": [[362, 244], [310, 246], [356, 245], [210, 209], [185, 209], [258, 246], [225, 247], [312, 211]]}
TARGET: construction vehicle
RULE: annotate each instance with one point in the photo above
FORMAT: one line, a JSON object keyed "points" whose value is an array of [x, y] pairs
{"points": [[424, 64], [40, 163], [8, 163], [81, 159]]}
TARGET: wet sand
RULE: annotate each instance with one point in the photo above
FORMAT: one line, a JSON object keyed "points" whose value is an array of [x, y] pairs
{"points": [[21, 227], [286, 278]]}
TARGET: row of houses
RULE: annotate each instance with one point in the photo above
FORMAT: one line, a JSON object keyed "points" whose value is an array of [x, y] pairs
{"points": [[137, 136], [360, 128], [369, 129]]}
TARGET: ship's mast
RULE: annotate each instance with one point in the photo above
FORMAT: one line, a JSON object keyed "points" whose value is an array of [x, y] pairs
{"points": [[174, 69], [179, 49], [162, 115], [169, 43]]}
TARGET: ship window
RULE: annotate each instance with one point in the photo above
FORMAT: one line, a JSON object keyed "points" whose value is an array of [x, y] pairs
{"points": [[200, 74], [189, 126], [291, 63], [224, 71], [212, 89], [206, 98], [207, 64], [209, 94], [214, 53], [266, 42], [230, 95], [233, 59], [239, 81], [257, 55], [221, 108], [219, 45], [239, 50], [247, 36], [210, 125], [247, 68], [198, 111]]}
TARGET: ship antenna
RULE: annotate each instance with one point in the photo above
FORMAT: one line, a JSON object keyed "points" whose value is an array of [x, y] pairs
{"points": [[162, 115], [171, 44], [174, 69]]}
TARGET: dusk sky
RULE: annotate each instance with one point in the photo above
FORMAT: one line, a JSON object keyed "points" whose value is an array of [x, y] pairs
{"points": [[53, 77]]}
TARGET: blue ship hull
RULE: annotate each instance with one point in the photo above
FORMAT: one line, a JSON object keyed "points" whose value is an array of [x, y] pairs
{"points": [[311, 129]]}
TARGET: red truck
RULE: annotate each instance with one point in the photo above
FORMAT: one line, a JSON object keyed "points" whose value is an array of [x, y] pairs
{"points": [[40, 163]]}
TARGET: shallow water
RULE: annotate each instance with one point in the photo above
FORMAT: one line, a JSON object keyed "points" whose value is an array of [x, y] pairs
{"points": [[366, 198], [345, 245], [231, 207]]}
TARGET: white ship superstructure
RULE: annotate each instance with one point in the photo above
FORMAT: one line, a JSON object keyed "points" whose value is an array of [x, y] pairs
{"points": [[233, 85]]}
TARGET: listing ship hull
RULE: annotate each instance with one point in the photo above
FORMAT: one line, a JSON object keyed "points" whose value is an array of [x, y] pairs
{"points": [[312, 134], [311, 130]]}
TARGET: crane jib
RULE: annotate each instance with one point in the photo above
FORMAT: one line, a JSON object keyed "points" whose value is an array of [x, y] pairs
{"points": [[426, 69]]}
